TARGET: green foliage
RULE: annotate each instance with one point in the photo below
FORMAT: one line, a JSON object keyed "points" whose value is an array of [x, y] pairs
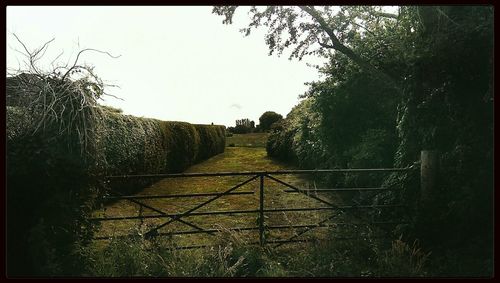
{"points": [[212, 141], [52, 187], [183, 142], [267, 119], [135, 146], [131, 146], [229, 257], [452, 113], [243, 126], [50, 194], [441, 57], [232, 257]]}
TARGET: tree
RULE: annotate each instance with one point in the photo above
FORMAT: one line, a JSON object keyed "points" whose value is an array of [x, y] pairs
{"points": [[311, 30], [244, 122], [351, 118], [243, 126], [267, 119]]}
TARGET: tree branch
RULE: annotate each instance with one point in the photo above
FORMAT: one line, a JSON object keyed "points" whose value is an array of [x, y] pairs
{"points": [[337, 45], [385, 15], [325, 45], [78, 56]]}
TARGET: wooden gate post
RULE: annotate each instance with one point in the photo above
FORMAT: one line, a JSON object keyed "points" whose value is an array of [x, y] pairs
{"points": [[429, 166], [427, 225]]}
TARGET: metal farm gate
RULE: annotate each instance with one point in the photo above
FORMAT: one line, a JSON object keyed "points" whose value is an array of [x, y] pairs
{"points": [[263, 213]]}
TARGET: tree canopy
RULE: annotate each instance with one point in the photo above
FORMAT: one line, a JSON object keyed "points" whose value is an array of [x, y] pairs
{"points": [[312, 30], [267, 119]]}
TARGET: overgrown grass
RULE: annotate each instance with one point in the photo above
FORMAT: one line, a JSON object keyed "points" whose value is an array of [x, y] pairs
{"points": [[232, 256], [232, 160], [231, 253], [247, 140]]}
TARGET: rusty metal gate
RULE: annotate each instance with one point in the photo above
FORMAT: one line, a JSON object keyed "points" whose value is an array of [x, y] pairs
{"points": [[262, 211]]}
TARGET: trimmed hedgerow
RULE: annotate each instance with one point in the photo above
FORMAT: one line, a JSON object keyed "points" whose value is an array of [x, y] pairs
{"points": [[183, 143], [213, 139], [133, 145]]}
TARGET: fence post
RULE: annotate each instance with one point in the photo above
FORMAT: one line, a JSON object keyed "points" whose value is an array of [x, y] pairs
{"points": [[261, 212], [429, 167], [426, 225]]}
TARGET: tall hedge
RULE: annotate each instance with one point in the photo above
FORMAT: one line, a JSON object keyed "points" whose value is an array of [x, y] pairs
{"points": [[51, 186], [133, 145], [49, 193]]}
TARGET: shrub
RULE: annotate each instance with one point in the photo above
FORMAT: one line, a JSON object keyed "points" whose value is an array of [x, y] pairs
{"points": [[182, 145], [241, 129], [212, 140], [230, 256], [135, 145], [51, 189], [267, 119]]}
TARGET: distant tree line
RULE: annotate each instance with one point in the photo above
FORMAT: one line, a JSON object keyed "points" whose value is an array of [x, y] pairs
{"points": [[266, 121]]}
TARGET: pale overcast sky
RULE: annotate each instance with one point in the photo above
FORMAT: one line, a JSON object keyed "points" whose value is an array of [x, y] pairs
{"points": [[177, 63]]}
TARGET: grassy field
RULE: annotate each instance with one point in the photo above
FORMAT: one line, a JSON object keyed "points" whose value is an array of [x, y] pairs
{"points": [[247, 140], [234, 159]]}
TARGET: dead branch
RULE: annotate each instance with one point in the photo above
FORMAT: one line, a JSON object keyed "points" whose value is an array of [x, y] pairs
{"points": [[60, 104]]}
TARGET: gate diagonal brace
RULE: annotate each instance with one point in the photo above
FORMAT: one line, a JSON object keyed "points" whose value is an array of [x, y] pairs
{"points": [[313, 197], [304, 192], [153, 231], [307, 229], [162, 213]]}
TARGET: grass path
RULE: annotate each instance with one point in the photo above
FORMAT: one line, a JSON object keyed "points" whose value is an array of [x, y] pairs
{"points": [[234, 159]]}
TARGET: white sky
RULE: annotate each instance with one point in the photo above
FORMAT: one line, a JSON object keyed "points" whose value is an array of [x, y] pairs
{"points": [[177, 63]]}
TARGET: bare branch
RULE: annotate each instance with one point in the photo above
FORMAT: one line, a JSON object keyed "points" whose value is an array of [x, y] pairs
{"points": [[52, 63], [60, 104], [385, 15], [24, 46], [44, 48], [78, 56]]}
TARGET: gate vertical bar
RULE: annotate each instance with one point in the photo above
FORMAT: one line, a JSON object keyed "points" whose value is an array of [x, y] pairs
{"points": [[261, 211]]}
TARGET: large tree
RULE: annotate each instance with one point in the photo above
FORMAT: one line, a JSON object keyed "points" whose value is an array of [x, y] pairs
{"points": [[267, 119], [310, 30]]}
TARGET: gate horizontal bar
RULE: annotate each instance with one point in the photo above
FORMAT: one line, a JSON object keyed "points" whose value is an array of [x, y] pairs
{"points": [[174, 215], [207, 231], [246, 173], [341, 190], [244, 211], [176, 196], [275, 227], [333, 208]]}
